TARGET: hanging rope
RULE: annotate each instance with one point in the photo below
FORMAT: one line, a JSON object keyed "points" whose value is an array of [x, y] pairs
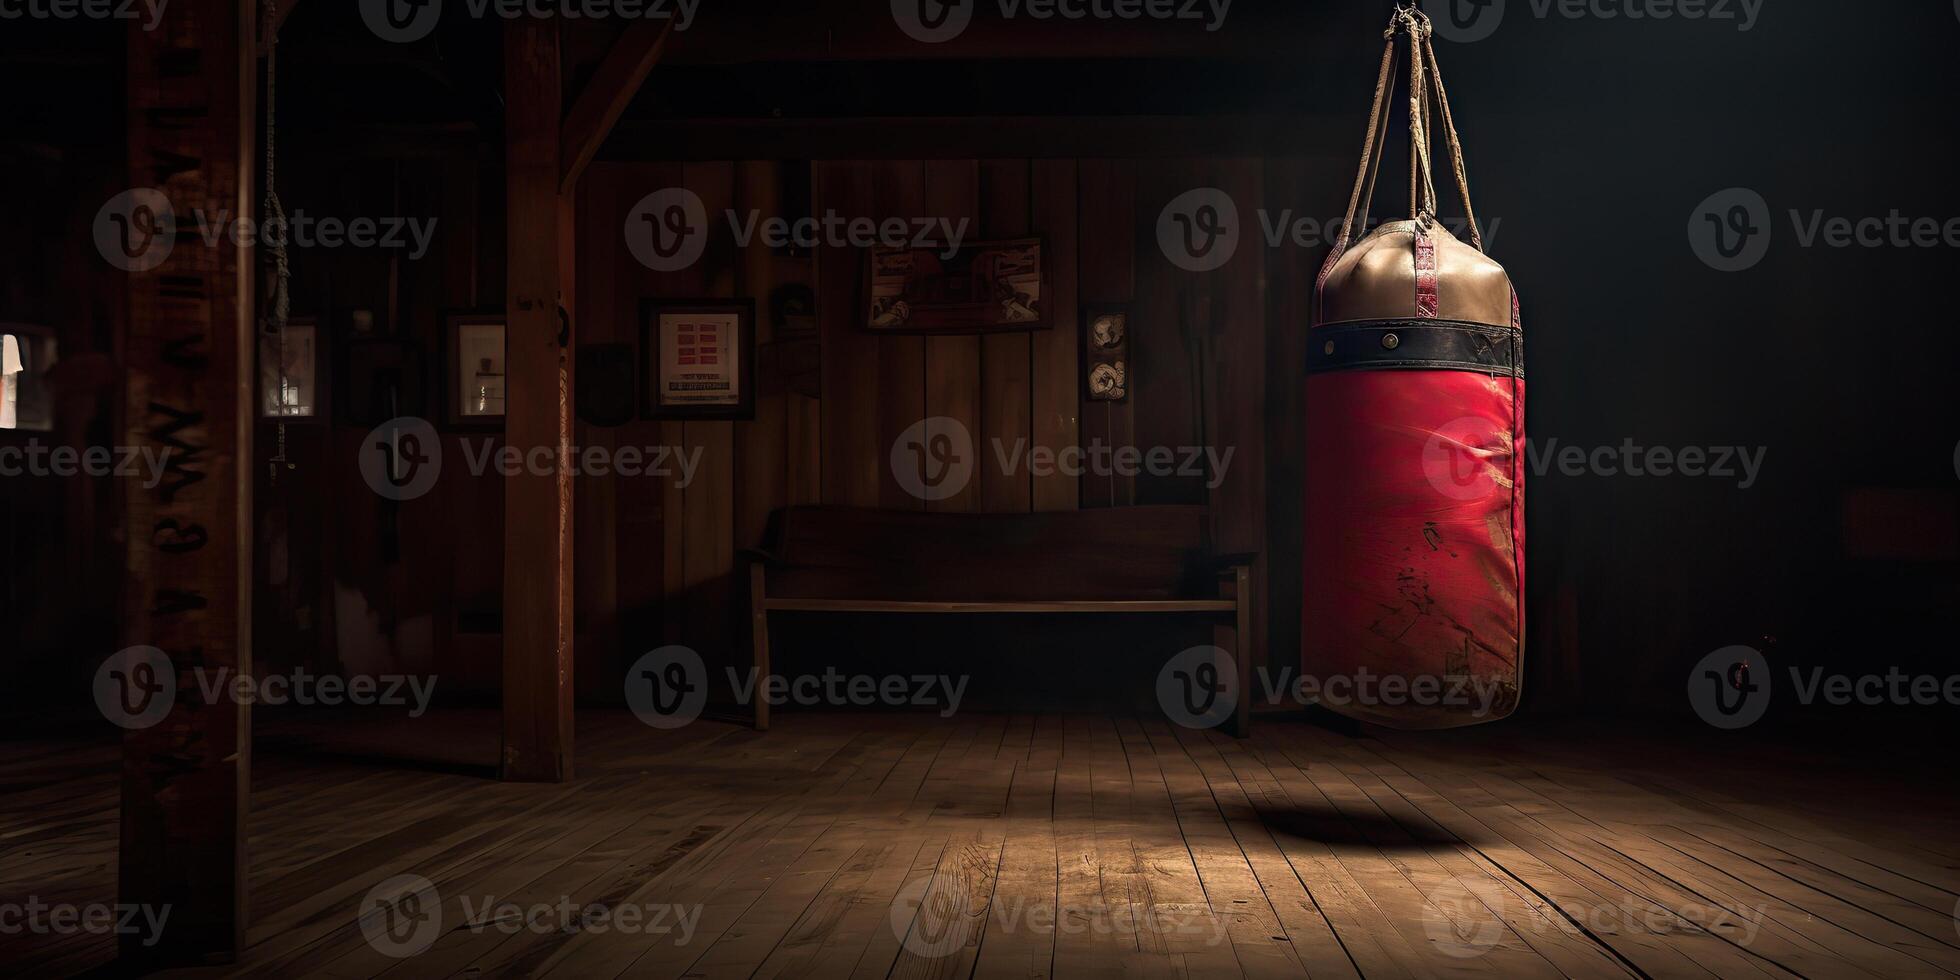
{"points": [[1456, 144], [279, 304]]}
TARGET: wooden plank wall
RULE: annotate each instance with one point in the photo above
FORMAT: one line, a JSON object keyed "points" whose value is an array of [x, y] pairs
{"points": [[61, 581], [656, 558], [673, 551], [373, 585], [354, 582]]}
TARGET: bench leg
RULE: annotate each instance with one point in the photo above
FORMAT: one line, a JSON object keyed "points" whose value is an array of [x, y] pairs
{"points": [[759, 626], [1242, 653], [1237, 638]]}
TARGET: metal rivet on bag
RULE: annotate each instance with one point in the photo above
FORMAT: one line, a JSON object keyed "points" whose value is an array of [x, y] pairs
{"points": [[1390, 341], [1327, 348]]}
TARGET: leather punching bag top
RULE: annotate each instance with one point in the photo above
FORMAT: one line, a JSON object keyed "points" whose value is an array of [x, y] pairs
{"points": [[1413, 610]]}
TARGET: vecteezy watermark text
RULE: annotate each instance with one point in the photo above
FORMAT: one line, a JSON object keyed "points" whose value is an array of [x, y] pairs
{"points": [[404, 915], [934, 459], [402, 458], [150, 12], [935, 21], [485, 455], [405, 21], [667, 688], [136, 230], [1740, 463], [668, 229], [37, 917], [1467, 21], [1732, 687], [1466, 917], [1481, 694], [1199, 688], [1199, 230], [1731, 230], [934, 916], [1472, 457], [137, 686], [38, 459]]}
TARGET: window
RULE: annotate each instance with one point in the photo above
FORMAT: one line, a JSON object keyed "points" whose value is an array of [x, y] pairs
{"points": [[27, 354]]}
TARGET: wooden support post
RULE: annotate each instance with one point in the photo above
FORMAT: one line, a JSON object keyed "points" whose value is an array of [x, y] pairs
{"points": [[187, 359], [537, 416], [546, 151]]}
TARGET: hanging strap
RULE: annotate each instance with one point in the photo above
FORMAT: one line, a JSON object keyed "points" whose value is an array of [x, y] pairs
{"points": [[1364, 177], [1422, 184], [1410, 21], [1422, 196], [1455, 144]]}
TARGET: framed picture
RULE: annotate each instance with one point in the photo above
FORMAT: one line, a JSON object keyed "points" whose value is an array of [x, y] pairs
{"points": [[984, 287], [289, 372], [475, 392], [699, 359]]}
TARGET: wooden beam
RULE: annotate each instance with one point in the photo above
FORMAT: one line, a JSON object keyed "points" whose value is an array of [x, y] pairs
{"points": [[609, 92], [967, 137], [187, 360], [537, 414], [1101, 606]]}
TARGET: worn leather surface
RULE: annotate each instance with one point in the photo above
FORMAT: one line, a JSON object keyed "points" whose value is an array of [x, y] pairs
{"points": [[1376, 279], [1414, 539]]}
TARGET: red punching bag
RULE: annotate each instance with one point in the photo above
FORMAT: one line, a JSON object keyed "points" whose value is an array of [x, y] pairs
{"points": [[1414, 545]]}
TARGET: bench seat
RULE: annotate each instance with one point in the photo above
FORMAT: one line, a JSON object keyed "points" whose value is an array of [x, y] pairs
{"points": [[1117, 560]]}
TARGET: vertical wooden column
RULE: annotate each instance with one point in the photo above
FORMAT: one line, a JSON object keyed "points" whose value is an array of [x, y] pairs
{"points": [[537, 413], [187, 359]]}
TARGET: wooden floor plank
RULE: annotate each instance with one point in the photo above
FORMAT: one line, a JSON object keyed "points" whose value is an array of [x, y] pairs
{"points": [[1018, 936], [1253, 926], [1643, 928], [1050, 846], [1545, 875]]}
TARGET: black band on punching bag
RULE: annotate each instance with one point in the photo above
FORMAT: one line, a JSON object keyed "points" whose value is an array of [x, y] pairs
{"points": [[1432, 344]]}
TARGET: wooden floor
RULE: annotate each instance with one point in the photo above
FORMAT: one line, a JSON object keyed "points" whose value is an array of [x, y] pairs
{"points": [[1009, 846]]}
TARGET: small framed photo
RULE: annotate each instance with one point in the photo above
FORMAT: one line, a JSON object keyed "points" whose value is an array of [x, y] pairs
{"points": [[699, 359], [476, 371], [290, 388]]}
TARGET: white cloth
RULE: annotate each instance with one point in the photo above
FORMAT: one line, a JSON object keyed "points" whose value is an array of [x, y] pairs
{"points": [[10, 368]]}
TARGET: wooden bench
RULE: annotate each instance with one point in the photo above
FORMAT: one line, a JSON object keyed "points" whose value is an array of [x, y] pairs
{"points": [[1151, 559]]}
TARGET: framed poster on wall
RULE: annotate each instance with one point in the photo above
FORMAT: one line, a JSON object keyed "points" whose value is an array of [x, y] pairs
{"points": [[982, 287], [699, 359], [476, 371], [289, 372]]}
